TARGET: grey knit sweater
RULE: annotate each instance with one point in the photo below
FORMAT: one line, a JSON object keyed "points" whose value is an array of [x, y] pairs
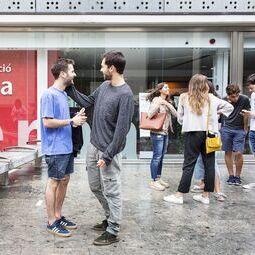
{"points": [[113, 112]]}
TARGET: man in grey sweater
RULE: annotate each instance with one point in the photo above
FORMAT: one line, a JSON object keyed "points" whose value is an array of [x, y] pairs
{"points": [[113, 111]]}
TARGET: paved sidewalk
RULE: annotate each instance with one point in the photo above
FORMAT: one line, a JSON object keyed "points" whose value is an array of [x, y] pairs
{"points": [[150, 225]]}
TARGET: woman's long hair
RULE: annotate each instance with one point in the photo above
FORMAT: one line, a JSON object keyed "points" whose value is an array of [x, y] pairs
{"points": [[156, 92], [212, 89], [198, 93]]}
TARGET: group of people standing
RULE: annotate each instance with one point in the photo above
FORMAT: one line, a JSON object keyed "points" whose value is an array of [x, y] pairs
{"points": [[201, 111], [198, 112]]}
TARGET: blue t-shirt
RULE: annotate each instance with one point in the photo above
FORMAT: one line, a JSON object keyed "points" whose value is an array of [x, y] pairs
{"points": [[55, 141]]}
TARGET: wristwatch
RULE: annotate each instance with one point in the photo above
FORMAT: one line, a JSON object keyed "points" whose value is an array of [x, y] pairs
{"points": [[71, 122]]}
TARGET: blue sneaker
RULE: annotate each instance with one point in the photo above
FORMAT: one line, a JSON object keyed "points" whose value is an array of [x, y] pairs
{"points": [[231, 180], [57, 229], [238, 181], [67, 224]]}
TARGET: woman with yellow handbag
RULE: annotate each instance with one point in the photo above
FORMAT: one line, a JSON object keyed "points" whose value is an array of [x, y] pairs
{"points": [[199, 171], [198, 114]]}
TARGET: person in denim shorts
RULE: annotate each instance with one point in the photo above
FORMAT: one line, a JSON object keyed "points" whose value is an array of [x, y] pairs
{"points": [[56, 136], [233, 132]]}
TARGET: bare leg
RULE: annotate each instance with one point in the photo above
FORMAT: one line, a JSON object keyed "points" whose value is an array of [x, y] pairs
{"points": [[217, 184], [202, 184], [229, 162], [60, 196], [206, 194], [179, 194], [50, 197], [238, 163]]}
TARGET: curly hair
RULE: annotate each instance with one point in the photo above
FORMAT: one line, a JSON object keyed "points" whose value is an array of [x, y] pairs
{"points": [[198, 93], [232, 89], [61, 65]]}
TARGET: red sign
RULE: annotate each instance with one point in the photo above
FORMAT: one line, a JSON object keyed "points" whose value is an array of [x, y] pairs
{"points": [[53, 56], [18, 94]]}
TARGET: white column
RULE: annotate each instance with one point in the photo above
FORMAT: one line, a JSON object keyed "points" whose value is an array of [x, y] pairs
{"points": [[42, 81], [220, 71], [196, 61]]}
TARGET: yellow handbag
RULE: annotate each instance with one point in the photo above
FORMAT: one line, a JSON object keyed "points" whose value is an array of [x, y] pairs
{"points": [[212, 143]]}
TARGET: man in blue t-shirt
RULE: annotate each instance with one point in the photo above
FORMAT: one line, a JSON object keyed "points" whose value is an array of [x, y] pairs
{"points": [[56, 136]]}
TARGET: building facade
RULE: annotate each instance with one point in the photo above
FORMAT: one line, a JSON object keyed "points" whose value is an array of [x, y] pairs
{"points": [[163, 40]]}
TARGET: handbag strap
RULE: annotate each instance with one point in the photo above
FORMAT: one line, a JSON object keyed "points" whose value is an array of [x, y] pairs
{"points": [[208, 116]]}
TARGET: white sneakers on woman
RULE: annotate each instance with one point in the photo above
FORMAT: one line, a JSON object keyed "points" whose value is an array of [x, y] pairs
{"points": [[163, 183], [174, 199], [179, 199], [200, 198], [159, 185], [156, 185], [249, 186]]}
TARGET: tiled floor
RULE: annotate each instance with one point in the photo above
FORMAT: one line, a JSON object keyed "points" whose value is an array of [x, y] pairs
{"points": [[150, 225]]}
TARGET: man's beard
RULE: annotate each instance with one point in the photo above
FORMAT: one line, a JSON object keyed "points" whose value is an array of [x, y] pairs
{"points": [[68, 82]]}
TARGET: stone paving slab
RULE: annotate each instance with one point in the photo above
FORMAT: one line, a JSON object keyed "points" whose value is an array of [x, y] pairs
{"points": [[150, 225]]}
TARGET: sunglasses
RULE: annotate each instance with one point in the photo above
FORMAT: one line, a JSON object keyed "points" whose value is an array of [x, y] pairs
{"points": [[165, 88]]}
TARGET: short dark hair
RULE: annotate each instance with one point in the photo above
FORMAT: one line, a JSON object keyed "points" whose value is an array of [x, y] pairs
{"points": [[251, 79], [232, 89], [61, 65], [116, 59]]}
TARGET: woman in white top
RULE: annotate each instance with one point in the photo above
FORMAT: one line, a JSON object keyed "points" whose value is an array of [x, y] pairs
{"points": [[193, 114], [199, 170]]}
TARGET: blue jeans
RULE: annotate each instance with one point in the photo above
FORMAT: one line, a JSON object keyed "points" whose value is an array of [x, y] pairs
{"points": [[159, 144], [252, 140], [199, 170]]}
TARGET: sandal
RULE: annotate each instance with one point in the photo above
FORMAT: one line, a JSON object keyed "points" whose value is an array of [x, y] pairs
{"points": [[197, 189], [221, 197]]}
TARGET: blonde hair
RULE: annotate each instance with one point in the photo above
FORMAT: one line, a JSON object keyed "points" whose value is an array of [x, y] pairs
{"points": [[198, 93]]}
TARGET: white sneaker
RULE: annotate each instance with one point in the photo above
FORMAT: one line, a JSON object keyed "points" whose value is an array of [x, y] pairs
{"points": [[202, 199], [163, 183], [249, 186], [156, 185], [174, 199]]}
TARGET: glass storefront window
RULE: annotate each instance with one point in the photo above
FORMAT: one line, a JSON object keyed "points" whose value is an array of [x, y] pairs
{"points": [[249, 57], [152, 57]]}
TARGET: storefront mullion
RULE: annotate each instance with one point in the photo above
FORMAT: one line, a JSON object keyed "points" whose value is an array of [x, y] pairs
{"points": [[236, 59]]}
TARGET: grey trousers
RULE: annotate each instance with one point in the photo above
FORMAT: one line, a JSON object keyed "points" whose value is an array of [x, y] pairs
{"points": [[105, 183]]}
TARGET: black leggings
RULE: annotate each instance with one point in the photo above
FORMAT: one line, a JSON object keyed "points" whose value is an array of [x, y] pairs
{"points": [[193, 146]]}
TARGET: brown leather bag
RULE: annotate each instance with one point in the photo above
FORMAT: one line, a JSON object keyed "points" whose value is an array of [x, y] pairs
{"points": [[155, 123]]}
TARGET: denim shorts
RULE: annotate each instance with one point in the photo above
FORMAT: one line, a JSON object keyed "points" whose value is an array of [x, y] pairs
{"points": [[59, 165], [232, 139]]}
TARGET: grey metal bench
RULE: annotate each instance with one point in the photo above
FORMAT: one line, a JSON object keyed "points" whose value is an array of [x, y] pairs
{"points": [[17, 156]]}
